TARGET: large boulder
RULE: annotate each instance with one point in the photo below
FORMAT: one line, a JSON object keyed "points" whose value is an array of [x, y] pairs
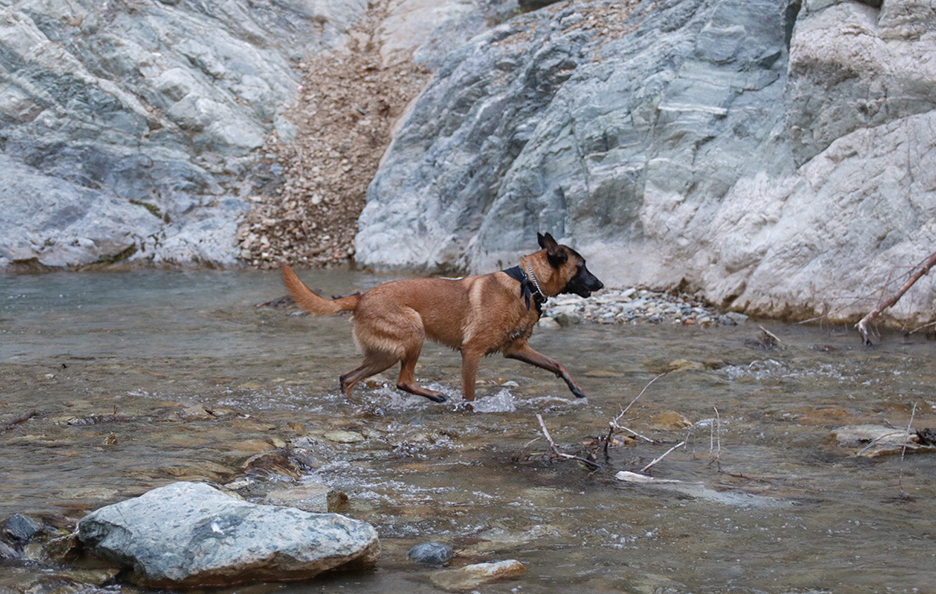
{"points": [[190, 534], [771, 154]]}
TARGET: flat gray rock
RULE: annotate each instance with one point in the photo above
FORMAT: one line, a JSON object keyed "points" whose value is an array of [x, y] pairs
{"points": [[190, 534]]}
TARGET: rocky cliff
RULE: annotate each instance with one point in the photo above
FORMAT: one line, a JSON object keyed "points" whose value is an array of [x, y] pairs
{"points": [[777, 157], [129, 129], [774, 155]]}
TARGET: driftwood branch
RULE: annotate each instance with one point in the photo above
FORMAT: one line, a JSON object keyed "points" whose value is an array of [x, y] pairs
{"points": [[7, 425], [921, 271], [555, 448]]}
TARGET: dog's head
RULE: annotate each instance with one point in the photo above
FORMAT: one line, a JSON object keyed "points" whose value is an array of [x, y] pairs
{"points": [[570, 265]]}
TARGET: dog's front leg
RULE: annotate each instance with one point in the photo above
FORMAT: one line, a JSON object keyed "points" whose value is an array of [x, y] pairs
{"points": [[471, 360], [522, 351]]}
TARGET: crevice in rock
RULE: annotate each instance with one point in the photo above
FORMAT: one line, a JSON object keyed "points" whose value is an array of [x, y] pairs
{"points": [[349, 102]]}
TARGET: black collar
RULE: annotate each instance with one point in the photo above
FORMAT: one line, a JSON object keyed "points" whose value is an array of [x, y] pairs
{"points": [[527, 289]]}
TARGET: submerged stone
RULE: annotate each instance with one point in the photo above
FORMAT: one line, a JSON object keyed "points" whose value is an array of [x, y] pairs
{"points": [[877, 440], [472, 576], [315, 497], [192, 535], [431, 553]]}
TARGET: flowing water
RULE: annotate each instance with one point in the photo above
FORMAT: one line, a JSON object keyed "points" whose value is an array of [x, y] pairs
{"points": [[119, 367]]}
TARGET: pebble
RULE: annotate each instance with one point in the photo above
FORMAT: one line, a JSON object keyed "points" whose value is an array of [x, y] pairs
{"points": [[635, 306]]}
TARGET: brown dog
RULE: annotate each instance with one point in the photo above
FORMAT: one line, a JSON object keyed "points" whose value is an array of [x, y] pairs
{"points": [[477, 316]]}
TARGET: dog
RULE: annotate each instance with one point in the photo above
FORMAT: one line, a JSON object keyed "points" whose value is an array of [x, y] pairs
{"points": [[476, 315]]}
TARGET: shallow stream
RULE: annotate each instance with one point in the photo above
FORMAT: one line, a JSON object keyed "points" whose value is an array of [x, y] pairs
{"points": [[141, 378]]}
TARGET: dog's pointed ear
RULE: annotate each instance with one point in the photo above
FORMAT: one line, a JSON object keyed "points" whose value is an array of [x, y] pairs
{"points": [[554, 252], [547, 242]]}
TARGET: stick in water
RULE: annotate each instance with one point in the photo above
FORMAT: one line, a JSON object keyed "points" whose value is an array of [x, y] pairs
{"points": [[665, 454], [555, 448]]}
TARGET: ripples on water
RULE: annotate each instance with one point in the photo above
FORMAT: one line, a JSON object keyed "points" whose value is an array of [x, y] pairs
{"points": [[115, 362]]}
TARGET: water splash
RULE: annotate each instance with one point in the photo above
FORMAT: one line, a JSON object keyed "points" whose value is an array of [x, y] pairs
{"points": [[502, 402]]}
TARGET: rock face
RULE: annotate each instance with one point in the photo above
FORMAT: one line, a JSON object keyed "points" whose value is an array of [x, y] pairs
{"points": [[189, 534], [130, 131], [774, 155]]}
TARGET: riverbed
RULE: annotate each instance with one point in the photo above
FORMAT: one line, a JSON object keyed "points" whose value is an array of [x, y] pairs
{"points": [[138, 378]]}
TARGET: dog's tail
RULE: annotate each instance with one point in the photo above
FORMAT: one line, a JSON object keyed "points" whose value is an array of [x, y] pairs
{"points": [[311, 301]]}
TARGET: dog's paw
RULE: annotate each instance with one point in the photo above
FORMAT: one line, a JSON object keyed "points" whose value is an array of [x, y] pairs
{"points": [[440, 398]]}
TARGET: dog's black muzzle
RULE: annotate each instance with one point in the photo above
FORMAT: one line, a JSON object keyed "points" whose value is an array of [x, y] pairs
{"points": [[583, 283]]}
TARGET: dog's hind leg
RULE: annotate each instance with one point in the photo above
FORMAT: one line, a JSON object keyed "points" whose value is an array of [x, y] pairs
{"points": [[407, 379], [373, 364]]}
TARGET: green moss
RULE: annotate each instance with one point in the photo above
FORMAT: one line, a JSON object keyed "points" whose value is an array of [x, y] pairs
{"points": [[154, 210], [118, 257]]}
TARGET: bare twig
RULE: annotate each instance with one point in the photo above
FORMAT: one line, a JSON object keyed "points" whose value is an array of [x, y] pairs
{"points": [[555, 448], [715, 440], [922, 270], [612, 425], [634, 433], [627, 408], [903, 451], [665, 454], [770, 335], [923, 327], [876, 441]]}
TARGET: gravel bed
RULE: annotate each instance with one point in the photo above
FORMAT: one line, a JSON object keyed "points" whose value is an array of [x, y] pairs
{"points": [[635, 306]]}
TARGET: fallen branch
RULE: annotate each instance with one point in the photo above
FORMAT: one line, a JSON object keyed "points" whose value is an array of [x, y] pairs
{"points": [[863, 324], [555, 448], [18, 420]]}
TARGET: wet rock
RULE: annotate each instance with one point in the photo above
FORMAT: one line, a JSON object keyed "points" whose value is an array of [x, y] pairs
{"points": [[7, 552], [603, 373], [292, 463], [472, 576], [84, 577], [548, 323], [315, 497], [190, 535], [196, 412], [567, 318], [64, 549], [877, 440], [678, 365], [344, 437], [669, 420], [435, 554], [20, 529], [822, 416]]}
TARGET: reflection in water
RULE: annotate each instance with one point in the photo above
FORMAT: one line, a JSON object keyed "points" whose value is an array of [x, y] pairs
{"points": [[146, 377]]}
